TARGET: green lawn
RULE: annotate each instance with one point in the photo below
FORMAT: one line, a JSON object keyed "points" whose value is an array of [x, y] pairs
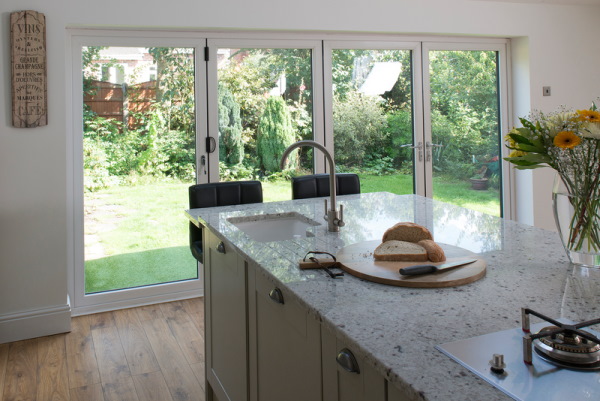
{"points": [[142, 233]]}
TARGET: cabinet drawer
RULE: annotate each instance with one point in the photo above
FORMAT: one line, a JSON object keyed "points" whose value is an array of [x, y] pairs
{"points": [[292, 312], [285, 346], [346, 376]]}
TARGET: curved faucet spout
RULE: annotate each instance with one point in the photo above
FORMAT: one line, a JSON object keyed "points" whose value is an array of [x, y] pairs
{"points": [[333, 217]]}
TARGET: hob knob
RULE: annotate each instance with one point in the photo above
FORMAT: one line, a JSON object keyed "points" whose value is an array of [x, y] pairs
{"points": [[497, 364]]}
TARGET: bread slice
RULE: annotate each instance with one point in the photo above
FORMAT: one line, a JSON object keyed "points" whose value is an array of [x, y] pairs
{"points": [[435, 253], [407, 231], [400, 251]]}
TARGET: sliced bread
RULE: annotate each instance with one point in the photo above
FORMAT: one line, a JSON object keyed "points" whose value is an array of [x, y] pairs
{"points": [[435, 253], [400, 251], [407, 231]]}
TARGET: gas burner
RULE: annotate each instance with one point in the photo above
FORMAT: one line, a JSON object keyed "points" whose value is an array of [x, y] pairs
{"points": [[564, 345]]}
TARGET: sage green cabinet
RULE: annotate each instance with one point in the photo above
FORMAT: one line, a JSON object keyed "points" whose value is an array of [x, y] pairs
{"points": [[263, 345], [226, 321], [285, 345], [346, 375]]}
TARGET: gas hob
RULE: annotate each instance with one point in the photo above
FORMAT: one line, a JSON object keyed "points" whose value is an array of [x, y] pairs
{"points": [[540, 380]]}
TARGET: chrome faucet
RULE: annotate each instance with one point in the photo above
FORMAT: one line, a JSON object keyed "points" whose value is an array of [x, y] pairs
{"points": [[335, 218]]}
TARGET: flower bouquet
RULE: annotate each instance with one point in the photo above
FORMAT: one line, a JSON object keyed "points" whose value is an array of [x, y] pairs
{"points": [[569, 142]]}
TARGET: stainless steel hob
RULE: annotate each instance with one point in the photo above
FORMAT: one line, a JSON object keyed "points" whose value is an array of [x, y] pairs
{"points": [[501, 359]]}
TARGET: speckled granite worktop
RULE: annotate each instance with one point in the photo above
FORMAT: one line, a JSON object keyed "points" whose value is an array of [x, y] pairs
{"points": [[397, 328]]}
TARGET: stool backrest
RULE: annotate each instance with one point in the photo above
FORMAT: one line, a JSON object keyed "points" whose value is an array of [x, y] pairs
{"points": [[317, 185]]}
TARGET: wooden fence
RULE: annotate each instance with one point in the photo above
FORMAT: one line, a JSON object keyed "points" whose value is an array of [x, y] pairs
{"points": [[118, 101]]}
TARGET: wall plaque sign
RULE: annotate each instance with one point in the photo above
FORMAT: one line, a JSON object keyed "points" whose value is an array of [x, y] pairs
{"points": [[28, 57]]}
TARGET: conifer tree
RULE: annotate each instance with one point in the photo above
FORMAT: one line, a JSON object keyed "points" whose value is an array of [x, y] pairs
{"points": [[275, 134]]}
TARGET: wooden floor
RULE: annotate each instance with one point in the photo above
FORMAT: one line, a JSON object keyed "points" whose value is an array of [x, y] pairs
{"points": [[152, 352]]}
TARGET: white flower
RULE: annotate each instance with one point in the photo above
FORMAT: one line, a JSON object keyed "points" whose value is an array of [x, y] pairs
{"points": [[590, 130]]}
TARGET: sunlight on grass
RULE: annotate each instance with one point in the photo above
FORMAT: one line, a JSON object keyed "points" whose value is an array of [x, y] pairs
{"points": [[142, 233]]}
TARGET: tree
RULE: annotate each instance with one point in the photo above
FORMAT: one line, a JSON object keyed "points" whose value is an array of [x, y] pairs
{"points": [[231, 146], [359, 128], [275, 134]]}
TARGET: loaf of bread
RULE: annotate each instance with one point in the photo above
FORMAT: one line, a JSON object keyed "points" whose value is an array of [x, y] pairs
{"points": [[407, 231], [435, 253], [400, 251]]}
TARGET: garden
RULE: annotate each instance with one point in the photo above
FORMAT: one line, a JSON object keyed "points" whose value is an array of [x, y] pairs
{"points": [[137, 169]]}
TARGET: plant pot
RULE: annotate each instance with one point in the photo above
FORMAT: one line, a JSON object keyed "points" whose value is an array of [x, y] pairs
{"points": [[578, 222], [479, 184]]}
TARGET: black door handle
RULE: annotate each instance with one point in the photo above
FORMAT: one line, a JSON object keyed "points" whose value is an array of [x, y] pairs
{"points": [[211, 144]]}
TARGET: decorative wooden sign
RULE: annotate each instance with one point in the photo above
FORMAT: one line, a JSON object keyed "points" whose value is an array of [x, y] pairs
{"points": [[28, 55]]}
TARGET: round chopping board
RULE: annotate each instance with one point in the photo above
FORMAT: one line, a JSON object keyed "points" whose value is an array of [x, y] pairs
{"points": [[357, 259]]}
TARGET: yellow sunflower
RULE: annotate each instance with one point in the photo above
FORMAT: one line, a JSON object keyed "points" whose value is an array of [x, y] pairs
{"points": [[589, 115], [566, 140]]}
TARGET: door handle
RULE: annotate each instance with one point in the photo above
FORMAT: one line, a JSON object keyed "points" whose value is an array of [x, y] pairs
{"points": [[221, 247], [211, 144], [430, 145], [418, 146], [203, 163]]}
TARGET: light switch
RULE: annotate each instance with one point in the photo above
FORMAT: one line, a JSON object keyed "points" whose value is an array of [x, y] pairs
{"points": [[546, 91]]}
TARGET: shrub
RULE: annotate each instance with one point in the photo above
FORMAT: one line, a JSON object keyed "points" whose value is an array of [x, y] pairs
{"points": [[96, 175], [231, 146], [358, 125], [275, 134]]}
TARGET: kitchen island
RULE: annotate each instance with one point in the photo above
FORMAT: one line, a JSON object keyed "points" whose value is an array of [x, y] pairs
{"points": [[394, 330]]}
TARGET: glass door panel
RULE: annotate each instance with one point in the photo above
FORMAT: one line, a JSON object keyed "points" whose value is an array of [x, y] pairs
{"points": [[265, 103], [464, 120], [372, 117], [139, 132]]}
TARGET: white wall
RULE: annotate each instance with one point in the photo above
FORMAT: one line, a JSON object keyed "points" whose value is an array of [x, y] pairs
{"points": [[555, 47]]}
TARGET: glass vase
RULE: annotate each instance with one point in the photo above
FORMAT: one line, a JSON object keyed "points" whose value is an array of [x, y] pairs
{"points": [[578, 222]]}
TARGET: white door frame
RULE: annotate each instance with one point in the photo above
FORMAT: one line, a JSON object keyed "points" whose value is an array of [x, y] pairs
{"points": [[90, 303], [259, 43], [417, 92], [500, 46]]}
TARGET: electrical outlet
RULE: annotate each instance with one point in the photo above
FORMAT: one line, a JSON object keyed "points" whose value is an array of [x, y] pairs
{"points": [[546, 91]]}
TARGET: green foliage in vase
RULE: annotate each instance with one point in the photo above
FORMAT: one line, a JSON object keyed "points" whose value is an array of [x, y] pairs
{"points": [[568, 142]]}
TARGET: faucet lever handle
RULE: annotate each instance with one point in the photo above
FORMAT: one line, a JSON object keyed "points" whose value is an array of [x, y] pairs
{"points": [[326, 214], [340, 222]]}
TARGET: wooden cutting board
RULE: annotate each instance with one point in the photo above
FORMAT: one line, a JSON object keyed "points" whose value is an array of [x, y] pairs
{"points": [[357, 259]]}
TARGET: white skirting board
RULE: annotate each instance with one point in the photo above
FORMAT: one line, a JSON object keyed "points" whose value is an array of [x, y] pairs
{"points": [[35, 323]]}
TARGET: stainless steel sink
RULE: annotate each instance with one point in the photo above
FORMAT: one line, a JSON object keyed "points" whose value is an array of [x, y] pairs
{"points": [[275, 227]]}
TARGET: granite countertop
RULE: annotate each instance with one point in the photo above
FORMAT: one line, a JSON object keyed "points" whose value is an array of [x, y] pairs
{"points": [[397, 328]]}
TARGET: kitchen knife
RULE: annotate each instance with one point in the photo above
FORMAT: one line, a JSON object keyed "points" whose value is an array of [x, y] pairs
{"points": [[426, 269]]}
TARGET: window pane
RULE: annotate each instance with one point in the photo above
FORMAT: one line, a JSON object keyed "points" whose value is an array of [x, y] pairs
{"points": [[372, 118], [139, 159], [265, 105], [465, 148]]}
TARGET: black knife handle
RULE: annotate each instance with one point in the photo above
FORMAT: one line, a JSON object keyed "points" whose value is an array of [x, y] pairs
{"points": [[418, 269]]}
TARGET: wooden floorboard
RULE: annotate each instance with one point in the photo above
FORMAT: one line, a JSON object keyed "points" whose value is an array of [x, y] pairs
{"points": [[153, 352], [152, 387], [53, 382], [138, 351], [87, 393], [180, 378], [82, 367], [21, 371], [3, 364]]}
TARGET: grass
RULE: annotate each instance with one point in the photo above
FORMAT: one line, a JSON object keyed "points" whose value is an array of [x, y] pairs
{"points": [[143, 233]]}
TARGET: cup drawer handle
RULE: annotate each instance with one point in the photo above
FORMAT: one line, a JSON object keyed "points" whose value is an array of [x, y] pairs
{"points": [[276, 295], [345, 358]]}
